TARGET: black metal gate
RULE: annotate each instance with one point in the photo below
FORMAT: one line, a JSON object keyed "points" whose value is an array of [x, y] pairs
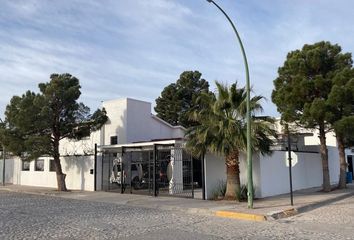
{"points": [[158, 170]]}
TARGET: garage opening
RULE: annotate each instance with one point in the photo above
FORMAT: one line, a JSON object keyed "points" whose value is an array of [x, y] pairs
{"points": [[156, 170]]}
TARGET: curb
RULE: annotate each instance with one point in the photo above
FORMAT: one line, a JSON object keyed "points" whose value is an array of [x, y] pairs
{"points": [[242, 216], [29, 192], [306, 208], [282, 214], [313, 206]]}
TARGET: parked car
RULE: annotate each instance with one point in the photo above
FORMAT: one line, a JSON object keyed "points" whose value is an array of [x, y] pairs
{"points": [[135, 177]]}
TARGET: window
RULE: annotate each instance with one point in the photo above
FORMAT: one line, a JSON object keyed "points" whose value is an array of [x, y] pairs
{"points": [[39, 165], [25, 165], [51, 165], [114, 140]]}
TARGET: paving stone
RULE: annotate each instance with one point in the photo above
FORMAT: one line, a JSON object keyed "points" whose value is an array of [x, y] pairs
{"points": [[25, 216]]}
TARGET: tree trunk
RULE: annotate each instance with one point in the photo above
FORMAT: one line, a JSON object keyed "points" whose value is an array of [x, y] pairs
{"points": [[233, 176], [342, 163], [324, 156], [60, 175]]}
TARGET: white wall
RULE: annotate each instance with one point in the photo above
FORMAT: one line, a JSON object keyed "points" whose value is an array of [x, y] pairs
{"points": [[306, 171], [314, 140], [334, 165], [70, 147], [99, 172], [143, 126], [215, 173], [77, 170], [138, 121], [131, 120], [162, 130], [11, 170], [116, 125], [256, 173], [333, 154]]}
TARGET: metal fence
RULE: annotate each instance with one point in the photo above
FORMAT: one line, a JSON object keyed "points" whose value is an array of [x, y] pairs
{"points": [[158, 170]]}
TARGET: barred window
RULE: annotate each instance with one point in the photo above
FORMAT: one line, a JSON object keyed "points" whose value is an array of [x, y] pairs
{"points": [[25, 165], [39, 165], [114, 140], [51, 165]]}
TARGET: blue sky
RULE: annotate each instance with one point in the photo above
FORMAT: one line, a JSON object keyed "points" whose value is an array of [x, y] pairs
{"points": [[135, 48]]}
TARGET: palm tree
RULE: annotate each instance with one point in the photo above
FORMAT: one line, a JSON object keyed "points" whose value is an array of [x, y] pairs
{"points": [[222, 130]]}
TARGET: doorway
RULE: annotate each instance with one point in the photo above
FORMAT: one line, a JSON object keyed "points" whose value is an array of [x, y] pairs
{"points": [[350, 164]]}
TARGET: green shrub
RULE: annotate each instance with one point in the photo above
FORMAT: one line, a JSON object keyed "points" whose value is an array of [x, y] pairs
{"points": [[220, 190], [242, 194]]}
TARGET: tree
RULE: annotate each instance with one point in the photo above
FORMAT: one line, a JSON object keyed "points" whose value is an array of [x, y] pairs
{"points": [[341, 103], [35, 123], [222, 130], [302, 88], [177, 99]]}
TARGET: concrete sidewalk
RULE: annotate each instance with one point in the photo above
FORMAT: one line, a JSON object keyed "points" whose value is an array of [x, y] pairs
{"points": [[264, 209]]}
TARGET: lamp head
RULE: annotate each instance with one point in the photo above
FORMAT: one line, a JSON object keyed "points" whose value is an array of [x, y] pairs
{"points": [[210, 1]]}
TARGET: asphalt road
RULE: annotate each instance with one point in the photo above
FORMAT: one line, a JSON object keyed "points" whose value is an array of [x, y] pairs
{"points": [[24, 216]]}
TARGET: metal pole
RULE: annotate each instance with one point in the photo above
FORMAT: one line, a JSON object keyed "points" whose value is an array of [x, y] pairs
{"points": [[203, 176], [4, 159], [248, 117], [122, 172], [290, 166], [154, 189], [192, 173], [95, 168], [102, 174], [3, 165]]}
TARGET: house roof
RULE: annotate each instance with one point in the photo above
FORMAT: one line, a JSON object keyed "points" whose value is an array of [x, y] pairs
{"points": [[118, 147]]}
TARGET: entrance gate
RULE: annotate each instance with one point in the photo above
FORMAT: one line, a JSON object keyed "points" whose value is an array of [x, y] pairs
{"points": [[158, 170]]}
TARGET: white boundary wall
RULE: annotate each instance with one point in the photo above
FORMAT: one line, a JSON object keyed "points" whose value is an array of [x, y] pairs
{"points": [[215, 173], [306, 171], [271, 172], [11, 170], [77, 170]]}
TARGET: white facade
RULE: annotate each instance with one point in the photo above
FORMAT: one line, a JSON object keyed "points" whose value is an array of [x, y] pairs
{"points": [[130, 121], [271, 172]]}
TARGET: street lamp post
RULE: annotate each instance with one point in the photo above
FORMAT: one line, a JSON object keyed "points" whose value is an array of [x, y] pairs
{"points": [[248, 117]]}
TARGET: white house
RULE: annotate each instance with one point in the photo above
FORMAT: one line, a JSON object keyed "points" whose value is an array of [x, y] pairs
{"points": [[153, 149], [130, 120]]}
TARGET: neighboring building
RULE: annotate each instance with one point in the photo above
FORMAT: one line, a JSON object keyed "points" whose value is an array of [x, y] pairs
{"points": [[349, 155], [271, 172], [134, 144]]}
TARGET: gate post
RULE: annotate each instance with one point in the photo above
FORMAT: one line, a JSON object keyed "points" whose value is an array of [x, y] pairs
{"points": [[129, 172], [122, 183], [102, 159], [192, 173], [154, 171], [95, 168], [203, 175]]}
